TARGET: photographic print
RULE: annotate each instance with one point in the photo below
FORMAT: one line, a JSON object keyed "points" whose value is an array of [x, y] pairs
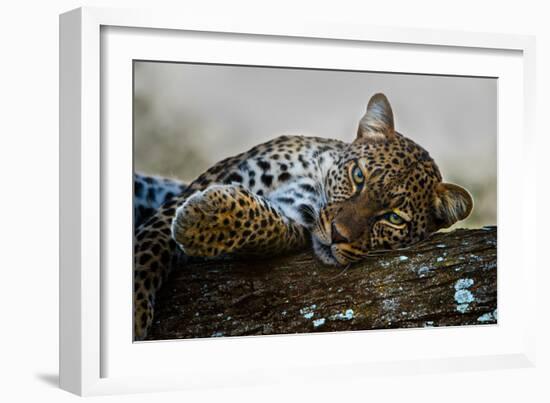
{"points": [[272, 200]]}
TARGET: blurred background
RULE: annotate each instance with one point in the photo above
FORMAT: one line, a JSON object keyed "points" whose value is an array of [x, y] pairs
{"points": [[189, 116]]}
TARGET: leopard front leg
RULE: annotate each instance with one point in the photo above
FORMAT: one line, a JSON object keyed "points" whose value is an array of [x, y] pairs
{"points": [[155, 253], [230, 219]]}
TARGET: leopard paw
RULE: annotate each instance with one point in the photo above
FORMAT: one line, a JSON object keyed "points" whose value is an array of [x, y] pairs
{"points": [[213, 222]]}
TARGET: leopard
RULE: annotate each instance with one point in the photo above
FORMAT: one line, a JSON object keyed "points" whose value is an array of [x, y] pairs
{"points": [[344, 201]]}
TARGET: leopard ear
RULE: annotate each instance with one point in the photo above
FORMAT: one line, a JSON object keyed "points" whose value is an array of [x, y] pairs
{"points": [[452, 203], [377, 124]]}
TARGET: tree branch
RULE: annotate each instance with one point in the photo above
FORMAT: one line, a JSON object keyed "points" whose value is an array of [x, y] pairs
{"points": [[447, 280]]}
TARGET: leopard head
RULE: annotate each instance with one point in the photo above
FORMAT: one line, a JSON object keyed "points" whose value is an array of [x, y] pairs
{"points": [[385, 192]]}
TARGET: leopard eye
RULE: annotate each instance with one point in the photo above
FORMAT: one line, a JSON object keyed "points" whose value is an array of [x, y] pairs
{"points": [[357, 175], [394, 218]]}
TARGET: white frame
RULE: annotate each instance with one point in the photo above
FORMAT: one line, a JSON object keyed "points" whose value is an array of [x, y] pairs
{"points": [[83, 306]]}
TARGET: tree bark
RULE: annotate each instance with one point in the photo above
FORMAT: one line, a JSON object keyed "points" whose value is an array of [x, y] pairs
{"points": [[447, 280]]}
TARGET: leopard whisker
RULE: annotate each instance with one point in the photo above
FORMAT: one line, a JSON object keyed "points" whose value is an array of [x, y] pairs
{"points": [[341, 272]]}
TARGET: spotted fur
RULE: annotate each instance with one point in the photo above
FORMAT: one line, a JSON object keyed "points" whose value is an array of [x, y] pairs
{"points": [[151, 192], [382, 191]]}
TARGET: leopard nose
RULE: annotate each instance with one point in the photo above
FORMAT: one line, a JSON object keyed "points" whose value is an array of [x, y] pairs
{"points": [[337, 237]]}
